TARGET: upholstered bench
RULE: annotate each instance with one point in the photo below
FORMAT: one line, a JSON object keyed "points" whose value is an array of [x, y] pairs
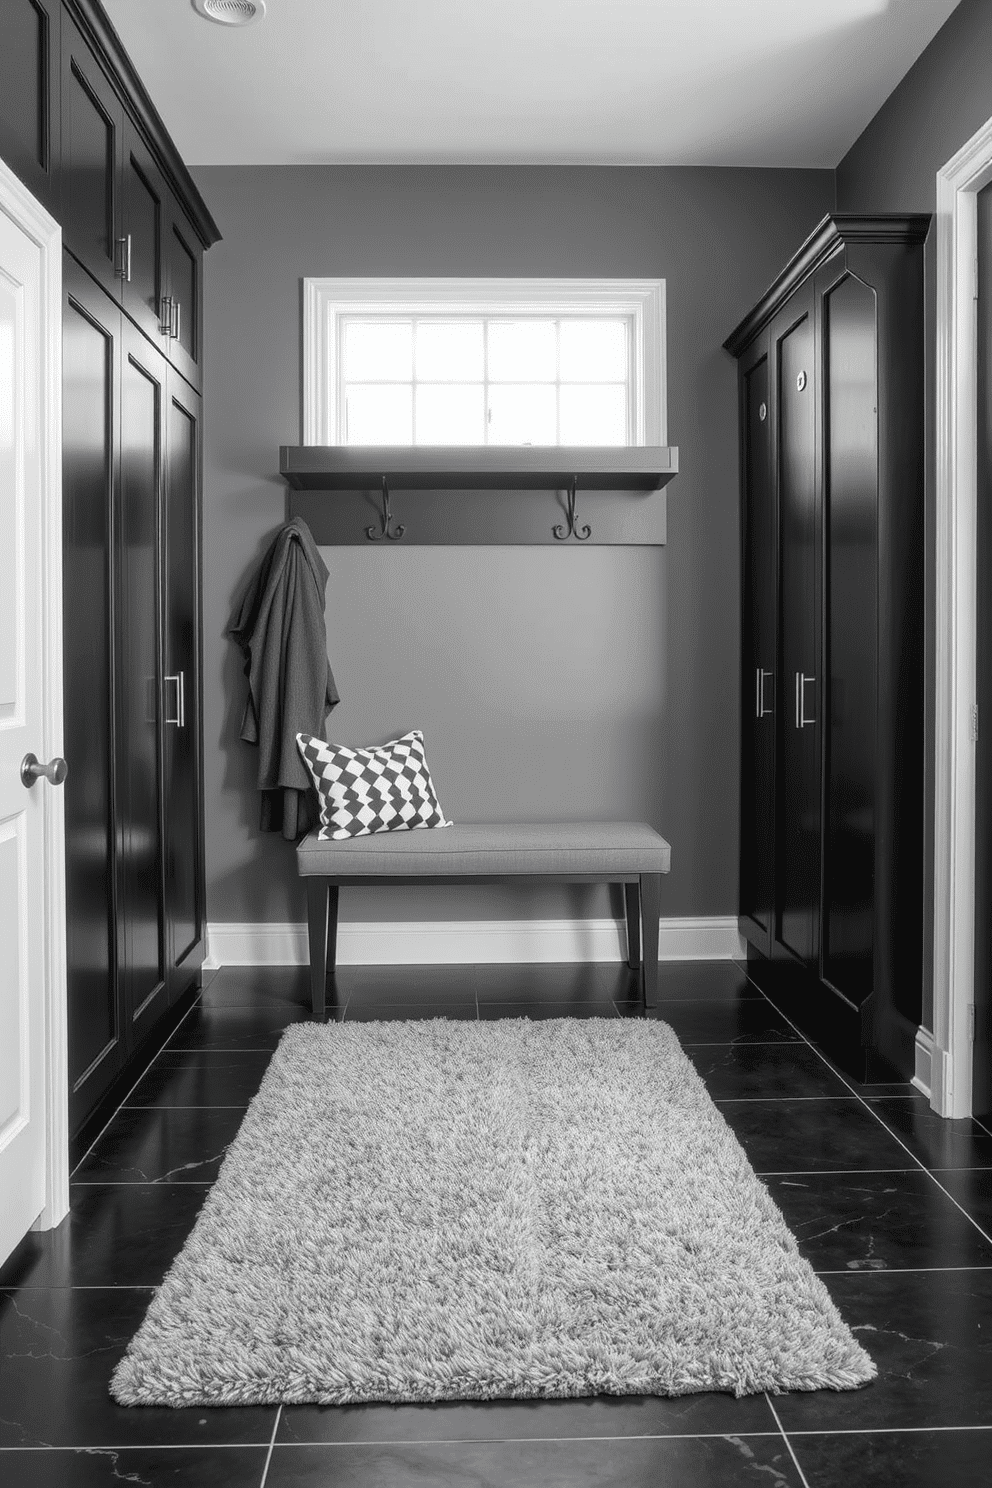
{"points": [[630, 853]]}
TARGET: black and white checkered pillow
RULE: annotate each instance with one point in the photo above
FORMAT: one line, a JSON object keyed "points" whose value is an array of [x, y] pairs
{"points": [[363, 791]]}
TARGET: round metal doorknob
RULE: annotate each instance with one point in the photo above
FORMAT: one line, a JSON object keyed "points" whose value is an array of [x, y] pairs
{"points": [[32, 769]]}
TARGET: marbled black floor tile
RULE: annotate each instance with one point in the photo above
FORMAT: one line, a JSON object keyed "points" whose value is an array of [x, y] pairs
{"points": [[60, 1348], [764, 1071], [250, 986], [749, 1020], [100, 1467], [972, 1187], [120, 1235], [156, 1146], [782, 1136], [389, 1012], [543, 1008], [259, 1026], [201, 1077], [877, 1222], [896, 1459], [709, 980], [935, 1140], [599, 1416], [557, 981], [690, 1462], [929, 1333]]}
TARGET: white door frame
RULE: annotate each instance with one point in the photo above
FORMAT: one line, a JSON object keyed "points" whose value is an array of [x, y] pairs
{"points": [[958, 185], [18, 203]]}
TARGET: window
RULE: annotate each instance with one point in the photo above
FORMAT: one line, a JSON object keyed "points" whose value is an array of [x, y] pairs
{"points": [[475, 362]]}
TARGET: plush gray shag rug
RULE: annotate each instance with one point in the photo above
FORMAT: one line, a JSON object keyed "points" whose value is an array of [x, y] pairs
{"points": [[450, 1210]]}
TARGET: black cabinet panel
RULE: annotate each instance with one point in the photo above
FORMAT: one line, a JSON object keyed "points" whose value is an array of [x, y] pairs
{"points": [[92, 125], [88, 477], [143, 224], [29, 97], [139, 811], [183, 258], [798, 856], [183, 880], [760, 664], [850, 650]]}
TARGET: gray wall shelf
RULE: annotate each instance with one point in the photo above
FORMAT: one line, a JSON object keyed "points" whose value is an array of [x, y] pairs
{"points": [[351, 495]]}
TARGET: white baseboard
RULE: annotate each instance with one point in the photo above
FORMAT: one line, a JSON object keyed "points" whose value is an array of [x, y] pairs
{"points": [[923, 1076], [463, 942]]}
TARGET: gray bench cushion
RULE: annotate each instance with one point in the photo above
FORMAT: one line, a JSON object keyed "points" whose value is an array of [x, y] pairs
{"points": [[552, 848]]}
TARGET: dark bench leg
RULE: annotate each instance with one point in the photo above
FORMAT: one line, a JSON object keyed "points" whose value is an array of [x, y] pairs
{"points": [[650, 886], [632, 908], [322, 931]]}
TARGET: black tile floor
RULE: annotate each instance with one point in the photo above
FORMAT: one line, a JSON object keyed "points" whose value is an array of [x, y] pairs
{"points": [[890, 1204]]}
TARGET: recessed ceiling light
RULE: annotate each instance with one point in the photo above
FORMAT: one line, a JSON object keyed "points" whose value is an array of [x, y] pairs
{"points": [[230, 12]]}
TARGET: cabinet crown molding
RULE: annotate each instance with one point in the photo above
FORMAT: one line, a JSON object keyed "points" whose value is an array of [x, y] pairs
{"points": [[835, 229]]}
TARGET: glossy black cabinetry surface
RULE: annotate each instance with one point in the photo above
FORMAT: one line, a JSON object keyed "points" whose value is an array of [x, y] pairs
{"points": [[835, 822], [30, 116], [90, 354], [79, 129], [131, 586]]}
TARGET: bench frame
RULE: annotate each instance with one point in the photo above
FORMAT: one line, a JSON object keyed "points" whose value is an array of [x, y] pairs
{"points": [[642, 909]]}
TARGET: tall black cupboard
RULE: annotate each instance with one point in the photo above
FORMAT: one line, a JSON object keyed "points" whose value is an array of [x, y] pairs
{"points": [[79, 129], [831, 388]]}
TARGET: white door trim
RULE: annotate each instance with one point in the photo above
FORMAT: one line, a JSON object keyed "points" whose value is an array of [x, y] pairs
{"points": [[958, 184], [18, 203]]}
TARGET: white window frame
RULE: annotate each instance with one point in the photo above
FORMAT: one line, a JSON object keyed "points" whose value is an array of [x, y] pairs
{"points": [[327, 301]]}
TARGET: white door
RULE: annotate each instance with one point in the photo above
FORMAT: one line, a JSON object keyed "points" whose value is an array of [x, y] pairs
{"points": [[33, 1134]]}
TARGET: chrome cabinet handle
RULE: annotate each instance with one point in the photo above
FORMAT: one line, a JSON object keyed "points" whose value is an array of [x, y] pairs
{"points": [[165, 315], [122, 267], [32, 769], [179, 678], [177, 321], [760, 711], [801, 720]]}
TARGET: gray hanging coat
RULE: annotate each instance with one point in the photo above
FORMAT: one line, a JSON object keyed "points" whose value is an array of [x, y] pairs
{"points": [[280, 628]]}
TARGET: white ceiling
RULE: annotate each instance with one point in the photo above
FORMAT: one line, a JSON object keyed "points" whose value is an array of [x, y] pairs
{"points": [[653, 82]]}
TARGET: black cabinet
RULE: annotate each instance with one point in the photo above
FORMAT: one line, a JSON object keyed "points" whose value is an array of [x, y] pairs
{"points": [[79, 129], [131, 452], [30, 116], [831, 368]]}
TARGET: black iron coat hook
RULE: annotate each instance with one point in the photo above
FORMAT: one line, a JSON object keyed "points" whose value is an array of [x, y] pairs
{"points": [[572, 529], [387, 517]]}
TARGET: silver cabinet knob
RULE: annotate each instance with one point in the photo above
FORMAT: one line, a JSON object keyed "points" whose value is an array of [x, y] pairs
{"points": [[32, 769]]}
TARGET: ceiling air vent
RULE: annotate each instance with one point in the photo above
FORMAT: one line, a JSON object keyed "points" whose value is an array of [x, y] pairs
{"points": [[231, 12]]}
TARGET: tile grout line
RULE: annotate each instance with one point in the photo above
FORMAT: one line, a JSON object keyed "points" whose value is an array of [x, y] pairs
{"points": [[134, 1087], [895, 1137], [272, 1442], [789, 1447]]}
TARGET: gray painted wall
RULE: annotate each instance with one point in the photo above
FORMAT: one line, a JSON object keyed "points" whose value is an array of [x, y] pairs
{"points": [[582, 683], [940, 103]]}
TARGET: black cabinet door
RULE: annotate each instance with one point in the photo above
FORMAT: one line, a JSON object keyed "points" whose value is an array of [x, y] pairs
{"points": [[92, 142], [850, 639], [29, 95], [182, 779], [759, 662], [144, 223], [798, 779], [90, 366], [141, 919], [184, 263]]}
